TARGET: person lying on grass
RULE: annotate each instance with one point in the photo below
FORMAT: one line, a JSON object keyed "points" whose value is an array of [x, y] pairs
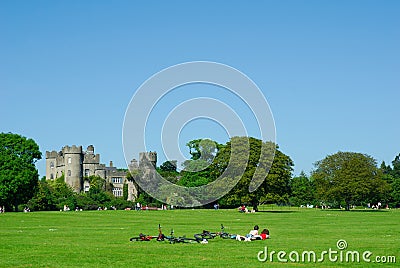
{"points": [[254, 235]]}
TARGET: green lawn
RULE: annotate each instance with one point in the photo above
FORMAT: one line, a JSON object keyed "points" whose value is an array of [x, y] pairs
{"points": [[101, 238]]}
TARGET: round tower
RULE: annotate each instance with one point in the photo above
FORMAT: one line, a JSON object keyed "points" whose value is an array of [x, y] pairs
{"points": [[73, 167]]}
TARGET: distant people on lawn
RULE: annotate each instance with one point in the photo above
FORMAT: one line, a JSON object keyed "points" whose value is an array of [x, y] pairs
{"points": [[243, 209]]}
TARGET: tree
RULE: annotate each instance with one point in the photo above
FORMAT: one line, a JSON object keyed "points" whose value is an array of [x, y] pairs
{"points": [[43, 199], [302, 190], [350, 178], [18, 174], [205, 149], [395, 172], [275, 185], [168, 166], [392, 177]]}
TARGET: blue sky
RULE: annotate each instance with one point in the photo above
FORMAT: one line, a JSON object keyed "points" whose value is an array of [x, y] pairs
{"points": [[329, 69]]}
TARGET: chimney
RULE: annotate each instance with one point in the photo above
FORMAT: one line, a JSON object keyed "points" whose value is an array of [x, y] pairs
{"points": [[111, 164]]}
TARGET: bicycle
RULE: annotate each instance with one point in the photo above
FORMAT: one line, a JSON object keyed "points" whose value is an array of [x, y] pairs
{"points": [[211, 235], [224, 234], [144, 237], [141, 237], [183, 239]]}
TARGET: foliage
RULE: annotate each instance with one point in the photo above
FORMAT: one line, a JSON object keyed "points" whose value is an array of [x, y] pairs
{"points": [[205, 149], [392, 177], [44, 199], [349, 177], [168, 166], [302, 190], [55, 194], [18, 174], [275, 185], [168, 171]]}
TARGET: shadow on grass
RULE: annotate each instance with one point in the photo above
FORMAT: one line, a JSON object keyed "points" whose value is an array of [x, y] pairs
{"points": [[277, 211]]}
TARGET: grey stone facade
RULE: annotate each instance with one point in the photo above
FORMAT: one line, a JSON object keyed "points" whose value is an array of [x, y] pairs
{"points": [[77, 164]]}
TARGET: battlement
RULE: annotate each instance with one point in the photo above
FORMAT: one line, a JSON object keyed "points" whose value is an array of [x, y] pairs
{"points": [[72, 149], [51, 154], [149, 156], [91, 158]]}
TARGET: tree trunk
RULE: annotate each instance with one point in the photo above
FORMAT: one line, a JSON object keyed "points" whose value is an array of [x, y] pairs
{"points": [[254, 203], [347, 206]]}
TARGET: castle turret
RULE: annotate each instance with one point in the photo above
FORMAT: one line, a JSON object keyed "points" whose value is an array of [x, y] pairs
{"points": [[148, 158], [51, 165], [73, 166]]}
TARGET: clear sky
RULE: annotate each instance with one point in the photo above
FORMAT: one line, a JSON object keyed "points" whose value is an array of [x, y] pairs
{"points": [[330, 70]]}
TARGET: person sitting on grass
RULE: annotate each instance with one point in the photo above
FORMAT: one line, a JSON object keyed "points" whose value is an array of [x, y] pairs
{"points": [[264, 235], [243, 209], [248, 237]]}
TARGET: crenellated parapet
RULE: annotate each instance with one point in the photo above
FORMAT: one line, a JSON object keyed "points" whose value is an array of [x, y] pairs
{"points": [[72, 149], [51, 154], [91, 158]]}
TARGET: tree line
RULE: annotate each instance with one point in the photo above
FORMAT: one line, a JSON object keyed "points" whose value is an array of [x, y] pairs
{"points": [[343, 179]]}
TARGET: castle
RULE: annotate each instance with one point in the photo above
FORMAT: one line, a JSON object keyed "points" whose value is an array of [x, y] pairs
{"points": [[78, 165]]}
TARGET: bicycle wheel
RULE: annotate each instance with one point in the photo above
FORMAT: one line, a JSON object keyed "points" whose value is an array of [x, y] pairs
{"points": [[225, 236], [186, 240], [141, 238]]}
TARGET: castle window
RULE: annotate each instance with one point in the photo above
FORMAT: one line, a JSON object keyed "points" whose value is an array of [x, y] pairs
{"points": [[69, 160], [51, 176], [116, 180], [87, 172], [51, 165], [69, 173], [117, 192]]}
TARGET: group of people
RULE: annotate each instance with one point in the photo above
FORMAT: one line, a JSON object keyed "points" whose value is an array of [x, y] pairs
{"points": [[244, 209], [254, 235]]}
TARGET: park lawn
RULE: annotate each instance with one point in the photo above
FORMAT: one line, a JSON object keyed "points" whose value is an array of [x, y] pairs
{"points": [[101, 238]]}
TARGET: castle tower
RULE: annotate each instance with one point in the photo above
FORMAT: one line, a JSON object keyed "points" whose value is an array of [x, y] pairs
{"points": [[73, 166], [148, 158], [91, 162], [51, 165]]}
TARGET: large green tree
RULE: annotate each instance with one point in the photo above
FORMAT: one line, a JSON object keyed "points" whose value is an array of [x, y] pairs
{"points": [[350, 178], [275, 185], [302, 190], [18, 173]]}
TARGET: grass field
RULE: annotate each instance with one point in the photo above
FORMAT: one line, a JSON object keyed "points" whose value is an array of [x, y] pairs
{"points": [[101, 238]]}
